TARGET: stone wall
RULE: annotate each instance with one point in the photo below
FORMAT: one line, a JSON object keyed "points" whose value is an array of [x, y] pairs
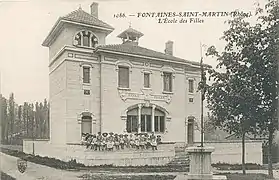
{"points": [[126, 157], [230, 152]]}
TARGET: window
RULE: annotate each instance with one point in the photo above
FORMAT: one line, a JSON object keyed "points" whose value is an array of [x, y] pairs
{"points": [[123, 77], [86, 92], [86, 124], [159, 124], [132, 123], [191, 85], [167, 82], [86, 74], [145, 120], [191, 99], [85, 39], [146, 78]]}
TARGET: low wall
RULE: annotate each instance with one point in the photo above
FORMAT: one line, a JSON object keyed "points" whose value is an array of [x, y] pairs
{"points": [[231, 151], [126, 157]]}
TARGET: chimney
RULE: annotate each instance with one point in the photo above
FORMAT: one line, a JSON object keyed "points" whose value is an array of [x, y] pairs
{"points": [[169, 48], [94, 9]]}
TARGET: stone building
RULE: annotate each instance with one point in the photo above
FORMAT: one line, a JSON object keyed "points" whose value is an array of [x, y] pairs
{"points": [[121, 88]]}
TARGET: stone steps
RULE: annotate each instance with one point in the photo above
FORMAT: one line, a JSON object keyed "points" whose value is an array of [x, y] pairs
{"points": [[181, 159]]}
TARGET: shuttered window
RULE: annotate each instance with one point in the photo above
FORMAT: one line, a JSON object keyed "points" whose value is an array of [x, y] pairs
{"points": [[123, 77], [146, 79], [167, 82], [191, 85], [86, 74]]}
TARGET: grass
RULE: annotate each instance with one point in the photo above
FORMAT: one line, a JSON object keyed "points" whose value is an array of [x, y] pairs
{"points": [[73, 165], [51, 162], [122, 177], [5, 176], [55, 163], [238, 176], [226, 166], [166, 177]]}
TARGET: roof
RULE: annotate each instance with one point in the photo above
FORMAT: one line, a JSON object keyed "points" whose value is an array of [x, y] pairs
{"points": [[138, 50], [81, 16], [77, 16], [130, 31]]}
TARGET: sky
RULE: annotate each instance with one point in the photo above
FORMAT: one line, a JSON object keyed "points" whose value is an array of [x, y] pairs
{"points": [[26, 23]]}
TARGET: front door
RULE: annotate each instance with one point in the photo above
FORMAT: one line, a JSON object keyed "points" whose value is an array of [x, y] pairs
{"points": [[86, 125], [190, 132]]}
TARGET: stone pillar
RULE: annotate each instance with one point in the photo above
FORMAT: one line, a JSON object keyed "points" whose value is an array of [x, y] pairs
{"points": [[200, 165], [200, 158], [152, 118], [139, 118]]}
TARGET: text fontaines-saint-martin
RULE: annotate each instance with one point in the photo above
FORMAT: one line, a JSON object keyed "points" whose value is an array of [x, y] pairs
{"points": [[191, 14]]}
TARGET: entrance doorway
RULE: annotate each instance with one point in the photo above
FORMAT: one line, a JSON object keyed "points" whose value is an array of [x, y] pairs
{"points": [[86, 124], [190, 132]]}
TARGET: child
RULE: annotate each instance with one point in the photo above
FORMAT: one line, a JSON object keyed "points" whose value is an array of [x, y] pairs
{"points": [[83, 137], [137, 143], [126, 141], [142, 141], [89, 140], [153, 142], [116, 141], [159, 139], [104, 142], [132, 141], [94, 143], [121, 141], [148, 142], [110, 144], [99, 141]]}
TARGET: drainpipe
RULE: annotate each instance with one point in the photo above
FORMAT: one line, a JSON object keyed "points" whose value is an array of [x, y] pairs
{"points": [[101, 94]]}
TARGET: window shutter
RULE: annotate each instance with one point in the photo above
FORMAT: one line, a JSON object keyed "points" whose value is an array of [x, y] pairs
{"points": [[86, 74], [123, 77], [191, 85], [167, 82], [146, 80]]}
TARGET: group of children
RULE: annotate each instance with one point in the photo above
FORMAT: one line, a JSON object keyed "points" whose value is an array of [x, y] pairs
{"points": [[105, 141]]}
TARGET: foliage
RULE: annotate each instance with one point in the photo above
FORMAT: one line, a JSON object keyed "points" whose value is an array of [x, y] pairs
{"points": [[23, 121], [5, 176], [226, 166], [244, 95]]}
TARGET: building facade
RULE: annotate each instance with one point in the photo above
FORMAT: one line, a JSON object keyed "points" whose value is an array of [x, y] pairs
{"points": [[122, 88]]}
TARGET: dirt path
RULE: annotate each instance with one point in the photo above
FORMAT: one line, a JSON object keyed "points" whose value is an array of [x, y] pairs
{"points": [[275, 172], [34, 171]]}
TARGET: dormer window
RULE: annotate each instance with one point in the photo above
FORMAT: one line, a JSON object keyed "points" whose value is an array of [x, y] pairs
{"points": [[85, 39]]}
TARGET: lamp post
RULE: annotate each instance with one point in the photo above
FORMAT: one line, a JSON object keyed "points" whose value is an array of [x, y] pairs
{"points": [[200, 157], [203, 82]]}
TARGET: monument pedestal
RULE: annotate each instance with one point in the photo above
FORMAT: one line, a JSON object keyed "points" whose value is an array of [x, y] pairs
{"points": [[200, 165]]}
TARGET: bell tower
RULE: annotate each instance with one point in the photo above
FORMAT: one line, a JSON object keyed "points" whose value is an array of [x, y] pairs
{"points": [[130, 36]]}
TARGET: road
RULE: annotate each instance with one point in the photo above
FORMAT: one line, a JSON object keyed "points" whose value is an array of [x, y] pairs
{"points": [[34, 171]]}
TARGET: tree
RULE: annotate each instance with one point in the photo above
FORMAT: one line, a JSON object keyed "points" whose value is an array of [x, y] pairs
{"points": [[42, 120], [25, 118], [11, 115], [4, 121], [20, 121], [37, 120], [46, 118], [244, 96]]}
